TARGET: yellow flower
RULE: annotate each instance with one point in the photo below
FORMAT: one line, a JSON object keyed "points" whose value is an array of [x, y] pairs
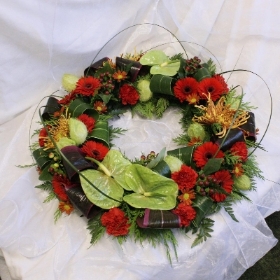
{"points": [[221, 114]]}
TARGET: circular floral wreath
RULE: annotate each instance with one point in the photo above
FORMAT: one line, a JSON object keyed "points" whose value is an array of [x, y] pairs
{"points": [[146, 198]]}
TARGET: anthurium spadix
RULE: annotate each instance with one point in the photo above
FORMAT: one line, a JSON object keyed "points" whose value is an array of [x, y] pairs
{"points": [[160, 62]]}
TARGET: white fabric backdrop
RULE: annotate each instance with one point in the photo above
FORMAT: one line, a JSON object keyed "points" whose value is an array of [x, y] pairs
{"points": [[40, 41]]}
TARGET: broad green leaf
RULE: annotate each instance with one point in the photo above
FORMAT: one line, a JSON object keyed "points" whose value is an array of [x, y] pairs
{"points": [[167, 68], [212, 165], [78, 107], [153, 57], [101, 132], [108, 193], [184, 154], [161, 84], [151, 190], [203, 206], [157, 159]]}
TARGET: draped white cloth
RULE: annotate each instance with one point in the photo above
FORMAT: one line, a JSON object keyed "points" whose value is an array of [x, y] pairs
{"points": [[42, 40]]}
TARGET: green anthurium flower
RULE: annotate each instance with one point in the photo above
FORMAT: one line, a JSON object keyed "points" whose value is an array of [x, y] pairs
{"points": [[78, 131], [151, 190], [105, 185], [160, 62], [109, 179], [64, 142]]}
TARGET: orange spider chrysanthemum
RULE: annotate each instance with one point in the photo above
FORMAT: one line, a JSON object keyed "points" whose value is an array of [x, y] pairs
{"points": [[238, 170], [100, 107], [120, 75], [187, 196], [65, 207], [194, 141]]}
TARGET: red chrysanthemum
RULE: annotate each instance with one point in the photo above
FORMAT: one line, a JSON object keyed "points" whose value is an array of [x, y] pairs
{"points": [[210, 86], [100, 107], [95, 150], [206, 151], [59, 183], [186, 88], [240, 149], [185, 177], [43, 135], [88, 121], [115, 221], [223, 83], [225, 181], [67, 98], [128, 95], [186, 214], [87, 86]]}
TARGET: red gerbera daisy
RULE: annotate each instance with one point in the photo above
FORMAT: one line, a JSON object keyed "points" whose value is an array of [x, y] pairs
{"points": [[95, 150], [59, 183], [128, 95], [88, 121], [186, 88], [223, 83], [225, 181], [115, 221], [185, 177], [87, 86], [210, 86], [186, 214], [206, 151], [240, 149]]}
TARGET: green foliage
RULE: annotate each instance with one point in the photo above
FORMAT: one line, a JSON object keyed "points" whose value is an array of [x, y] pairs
{"points": [[46, 186], [182, 139], [251, 168], [204, 230], [50, 197], [227, 204], [211, 67], [115, 132], [145, 109], [57, 215], [96, 229], [161, 106]]}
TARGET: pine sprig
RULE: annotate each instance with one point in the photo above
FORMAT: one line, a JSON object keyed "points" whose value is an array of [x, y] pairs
{"points": [[203, 231]]}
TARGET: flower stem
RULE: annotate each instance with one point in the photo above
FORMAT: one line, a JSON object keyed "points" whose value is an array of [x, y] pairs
{"points": [[101, 166]]}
